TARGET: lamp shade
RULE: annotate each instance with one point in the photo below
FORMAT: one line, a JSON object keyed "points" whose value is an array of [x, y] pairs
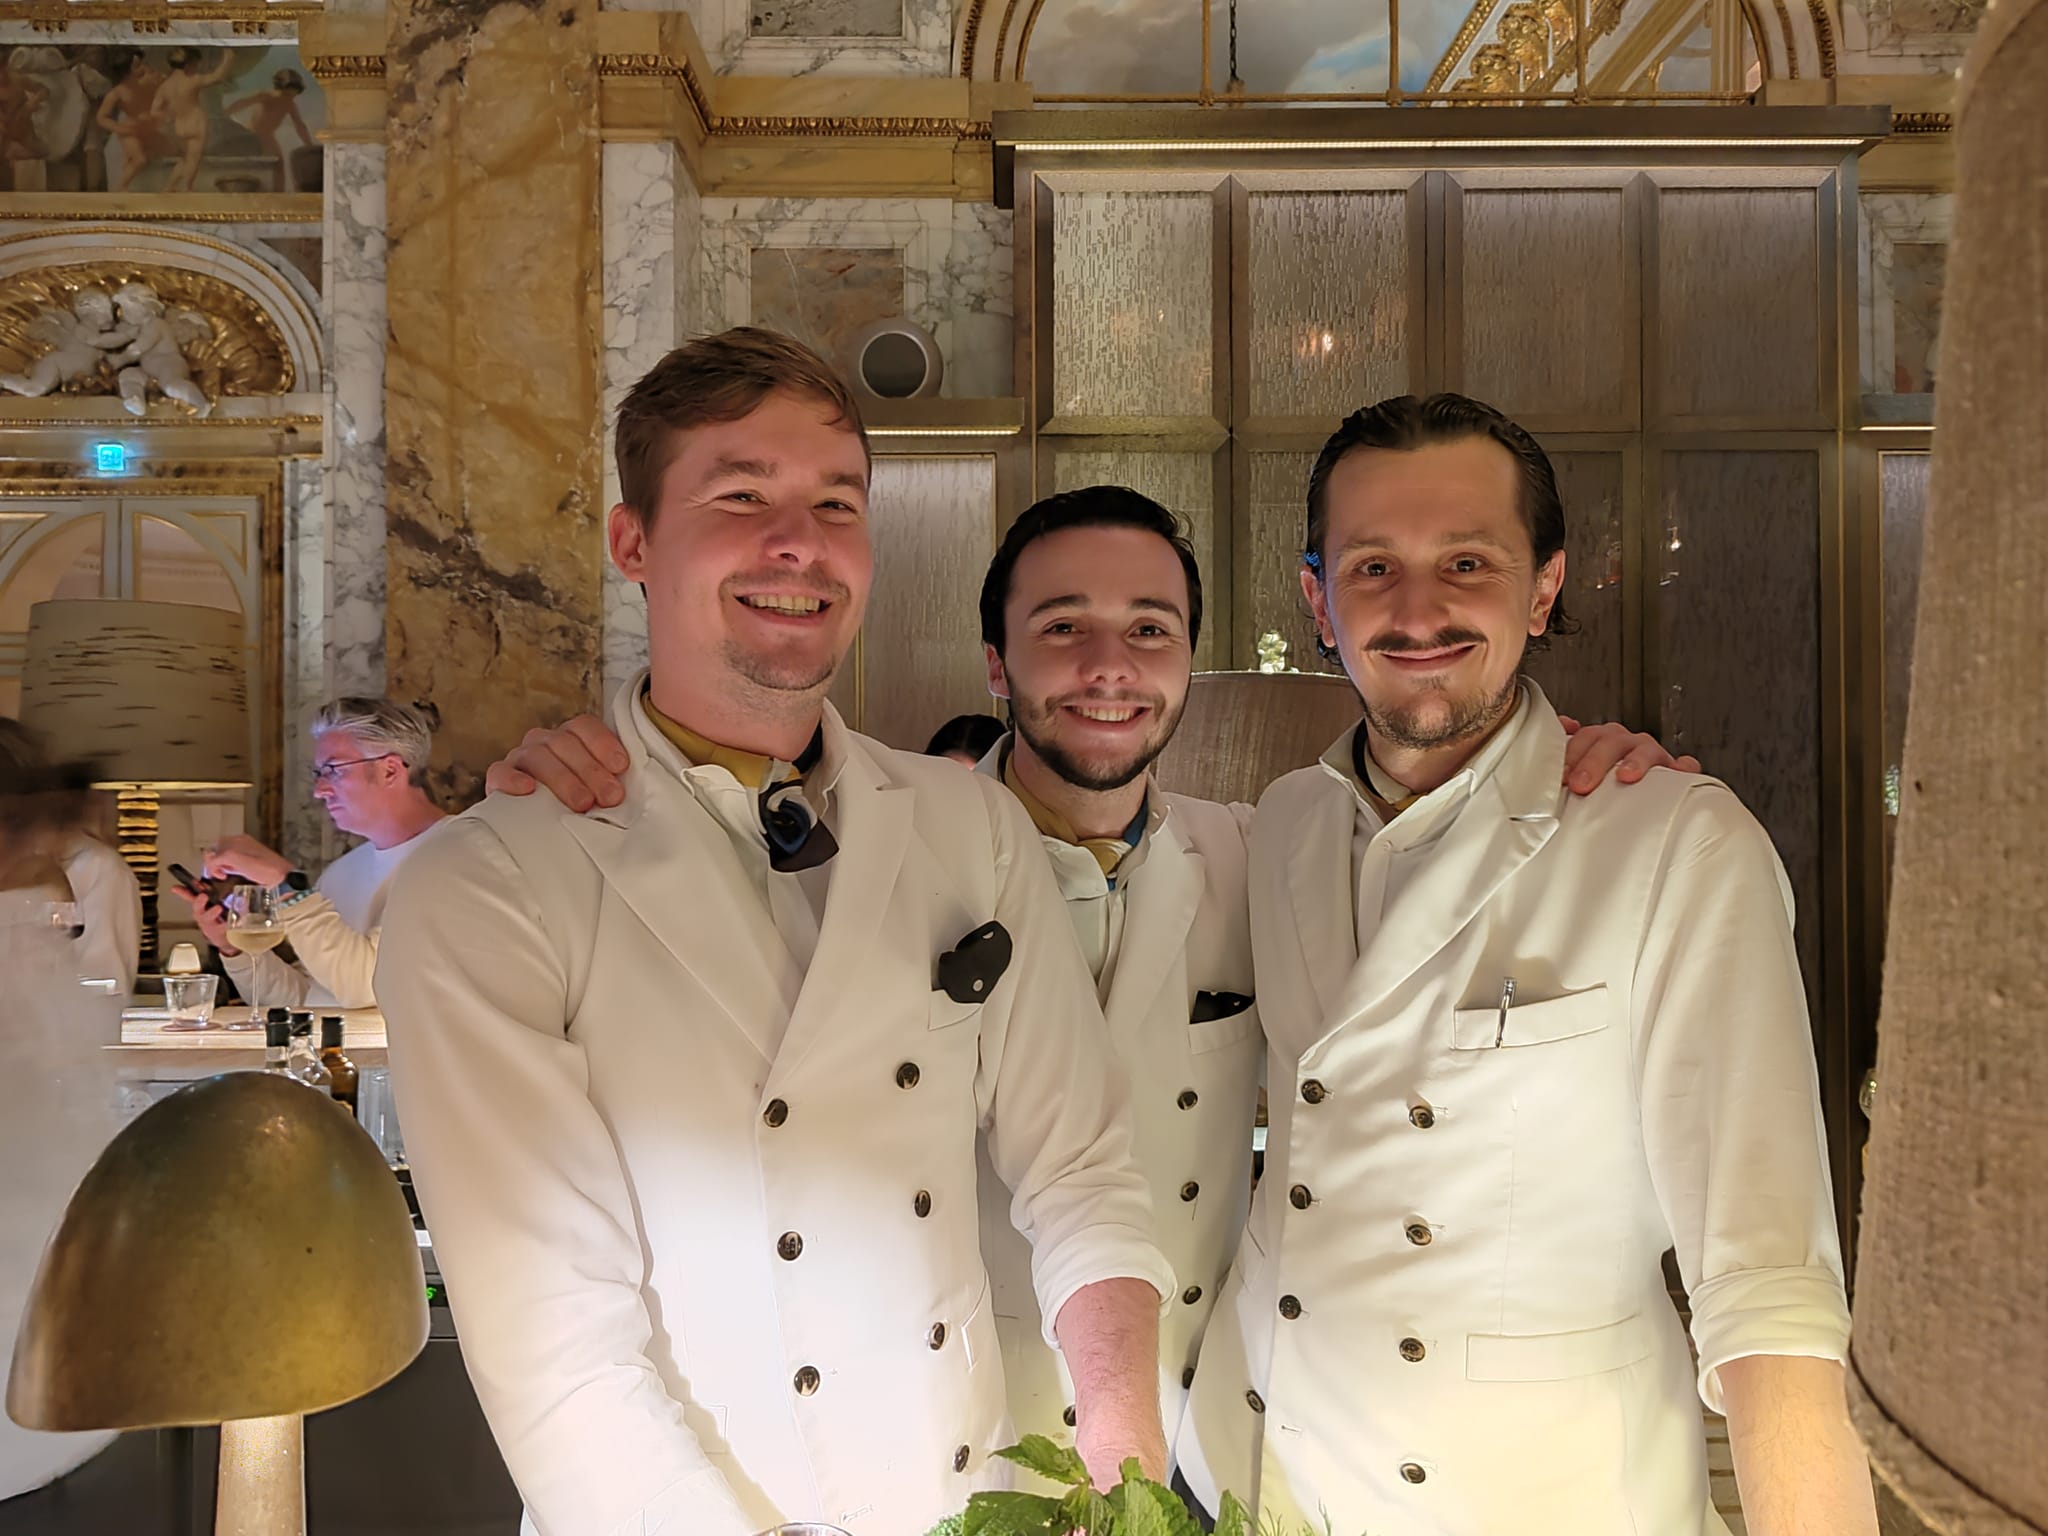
{"points": [[1242, 730], [239, 1251], [151, 692]]}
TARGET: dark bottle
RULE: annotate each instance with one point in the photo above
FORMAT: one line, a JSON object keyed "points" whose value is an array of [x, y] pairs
{"points": [[339, 1068], [277, 1043]]}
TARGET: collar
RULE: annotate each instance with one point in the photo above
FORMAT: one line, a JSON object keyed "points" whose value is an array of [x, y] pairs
{"points": [[1420, 817], [1110, 853], [750, 769]]}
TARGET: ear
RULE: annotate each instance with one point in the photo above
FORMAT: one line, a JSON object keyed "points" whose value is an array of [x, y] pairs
{"points": [[1549, 582], [998, 678], [1318, 604], [627, 540]]}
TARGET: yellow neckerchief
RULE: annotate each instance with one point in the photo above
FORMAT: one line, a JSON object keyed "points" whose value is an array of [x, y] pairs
{"points": [[750, 768], [1108, 851], [1362, 765]]}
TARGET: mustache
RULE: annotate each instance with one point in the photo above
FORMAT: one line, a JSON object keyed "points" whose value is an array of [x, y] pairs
{"points": [[1393, 642]]}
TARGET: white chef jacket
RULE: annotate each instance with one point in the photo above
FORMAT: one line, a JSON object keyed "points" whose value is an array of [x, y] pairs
{"points": [[1449, 1315], [710, 1227], [1170, 927]]}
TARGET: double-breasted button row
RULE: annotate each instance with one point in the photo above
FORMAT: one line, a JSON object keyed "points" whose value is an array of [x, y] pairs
{"points": [[1411, 1471], [1188, 1098], [1412, 1350], [807, 1380], [960, 1456], [1301, 1197], [907, 1075], [921, 1203], [1313, 1092], [775, 1114], [790, 1245], [1422, 1117], [1418, 1233], [1191, 1295], [1190, 1190], [1290, 1307]]}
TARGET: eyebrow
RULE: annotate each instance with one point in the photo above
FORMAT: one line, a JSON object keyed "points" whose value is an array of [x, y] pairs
{"points": [[1462, 536], [1082, 600], [761, 469]]}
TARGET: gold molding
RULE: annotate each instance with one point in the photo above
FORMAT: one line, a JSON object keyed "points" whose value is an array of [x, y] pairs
{"points": [[969, 33], [779, 125], [328, 68], [1791, 44], [1824, 34], [250, 17], [164, 207], [1475, 19], [1923, 122]]}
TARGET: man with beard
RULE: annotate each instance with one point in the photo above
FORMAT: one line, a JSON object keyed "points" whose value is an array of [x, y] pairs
{"points": [[1521, 1043], [692, 1087], [1090, 611]]}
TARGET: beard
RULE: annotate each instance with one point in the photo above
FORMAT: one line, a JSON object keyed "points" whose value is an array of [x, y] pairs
{"points": [[781, 674], [1436, 717], [1034, 721]]}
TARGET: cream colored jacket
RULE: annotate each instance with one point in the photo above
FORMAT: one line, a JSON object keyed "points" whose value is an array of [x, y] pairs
{"points": [[1448, 1314], [702, 1290], [1194, 1088]]}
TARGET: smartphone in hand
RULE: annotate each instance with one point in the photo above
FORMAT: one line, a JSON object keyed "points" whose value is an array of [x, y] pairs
{"points": [[211, 891]]}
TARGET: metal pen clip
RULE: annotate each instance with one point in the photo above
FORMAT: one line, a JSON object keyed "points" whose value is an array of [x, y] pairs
{"points": [[1507, 997]]}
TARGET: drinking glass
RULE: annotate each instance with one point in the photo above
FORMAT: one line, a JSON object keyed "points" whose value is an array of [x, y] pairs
{"points": [[254, 927], [190, 1000]]}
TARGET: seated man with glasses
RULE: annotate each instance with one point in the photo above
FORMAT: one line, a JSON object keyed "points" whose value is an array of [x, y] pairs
{"points": [[369, 763]]}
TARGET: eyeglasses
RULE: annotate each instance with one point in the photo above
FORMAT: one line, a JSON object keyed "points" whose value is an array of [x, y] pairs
{"points": [[327, 773]]}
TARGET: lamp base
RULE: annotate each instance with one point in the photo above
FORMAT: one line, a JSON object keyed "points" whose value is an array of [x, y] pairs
{"points": [[262, 1488]]}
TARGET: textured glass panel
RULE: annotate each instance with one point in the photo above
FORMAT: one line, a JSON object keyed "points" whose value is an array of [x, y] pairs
{"points": [[1544, 326], [1581, 673], [1183, 482], [1133, 320], [1279, 514], [173, 567], [1329, 285], [933, 522], [1902, 489], [1739, 290], [1738, 635]]}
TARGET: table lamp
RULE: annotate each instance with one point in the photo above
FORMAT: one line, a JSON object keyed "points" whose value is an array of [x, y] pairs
{"points": [[239, 1255], [1242, 730], [155, 695]]}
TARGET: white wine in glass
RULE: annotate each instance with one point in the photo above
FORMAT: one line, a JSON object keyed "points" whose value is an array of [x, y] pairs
{"points": [[253, 927]]}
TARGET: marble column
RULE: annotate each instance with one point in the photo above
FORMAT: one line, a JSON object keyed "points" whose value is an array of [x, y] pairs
{"points": [[308, 624], [492, 380], [353, 461]]}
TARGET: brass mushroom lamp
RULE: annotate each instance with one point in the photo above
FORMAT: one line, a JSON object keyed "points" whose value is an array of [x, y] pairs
{"points": [[239, 1255]]}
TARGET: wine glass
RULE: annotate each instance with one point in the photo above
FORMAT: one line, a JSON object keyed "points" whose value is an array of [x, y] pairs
{"points": [[253, 927]]}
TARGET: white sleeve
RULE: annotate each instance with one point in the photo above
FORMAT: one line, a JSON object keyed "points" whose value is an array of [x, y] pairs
{"points": [[529, 1207], [262, 977], [1058, 1113], [1730, 1102], [334, 955], [110, 910]]}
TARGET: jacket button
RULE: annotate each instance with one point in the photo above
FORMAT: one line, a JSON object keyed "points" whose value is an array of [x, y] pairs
{"points": [[1422, 1117], [1258, 1403], [1187, 1378], [1067, 1418], [1188, 1099], [790, 1245], [1189, 1190], [1314, 1092], [907, 1075], [1412, 1472], [1300, 1198], [923, 1203], [1412, 1350], [1290, 1307], [1191, 1295], [1419, 1234], [807, 1381], [937, 1337], [775, 1113], [960, 1456]]}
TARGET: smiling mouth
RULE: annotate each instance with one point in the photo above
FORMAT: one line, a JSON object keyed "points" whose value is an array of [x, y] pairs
{"points": [[788, 604], [1438, 656], [1106, 714]]}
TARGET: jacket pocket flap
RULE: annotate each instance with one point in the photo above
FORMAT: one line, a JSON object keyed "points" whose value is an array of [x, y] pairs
{"points": [[1559, 1356], [1532, 1023]]}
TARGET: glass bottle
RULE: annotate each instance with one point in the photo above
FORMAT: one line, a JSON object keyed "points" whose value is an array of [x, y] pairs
{"points": [[340, 1070]]}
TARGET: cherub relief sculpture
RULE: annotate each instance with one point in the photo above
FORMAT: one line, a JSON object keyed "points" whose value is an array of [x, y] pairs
{"points": [[79, 343], [156, 355]]}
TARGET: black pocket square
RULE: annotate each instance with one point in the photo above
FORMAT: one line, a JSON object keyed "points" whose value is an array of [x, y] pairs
{"points": [[1217, 1005], [969, 971]]}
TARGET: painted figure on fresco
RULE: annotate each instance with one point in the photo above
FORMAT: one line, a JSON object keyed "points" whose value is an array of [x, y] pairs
{"points": [[180, 108], [22, 98], [156, 355], [129, 113], [273, 109], [79, 344]]}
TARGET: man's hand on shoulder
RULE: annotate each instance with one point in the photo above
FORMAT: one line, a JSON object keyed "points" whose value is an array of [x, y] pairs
{"points": [[1592, 752], [578, 763]]}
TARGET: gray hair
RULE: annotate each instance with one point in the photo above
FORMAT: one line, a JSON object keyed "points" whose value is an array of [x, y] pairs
{"points": [[383, 725]]}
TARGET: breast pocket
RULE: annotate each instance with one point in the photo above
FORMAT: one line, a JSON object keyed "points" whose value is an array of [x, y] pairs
{"points": [[1219, 1020], [946, 1012], [1538, 1022]]}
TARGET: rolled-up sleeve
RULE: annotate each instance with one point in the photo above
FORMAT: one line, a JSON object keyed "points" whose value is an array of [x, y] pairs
{"points": [[1055, 1103], [530, 1210], [1730, 1101]]}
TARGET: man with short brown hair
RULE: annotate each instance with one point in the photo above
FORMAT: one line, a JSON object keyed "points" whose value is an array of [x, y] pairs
{"points": [[692, 1085]]}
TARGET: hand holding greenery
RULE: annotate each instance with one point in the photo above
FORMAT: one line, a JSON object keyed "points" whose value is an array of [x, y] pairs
{"points": [[1135, 1507]]}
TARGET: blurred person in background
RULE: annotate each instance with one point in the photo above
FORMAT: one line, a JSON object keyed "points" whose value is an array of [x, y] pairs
{"points": [[966, 738]]}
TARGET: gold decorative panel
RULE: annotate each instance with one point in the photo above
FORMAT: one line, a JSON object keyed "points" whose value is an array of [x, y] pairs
{"points": [[1273, 603], [933, 521], [1582, 673], [1738, 296], [1133, 293], [1737, 563], [1329, 298], [235, 348], [1182, 482], [1545, 294], [1902, 499]]}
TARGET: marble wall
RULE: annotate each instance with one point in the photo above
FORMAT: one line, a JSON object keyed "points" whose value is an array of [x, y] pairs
{"points": [[493, 376], [308, 834], [1901, 260], [353, 335], [1882, 37], [817, 37]]}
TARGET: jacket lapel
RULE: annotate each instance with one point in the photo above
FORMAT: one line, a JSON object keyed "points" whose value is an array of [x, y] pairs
{"points": [[1159, 908], [873, 823], [1320, 884]]}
